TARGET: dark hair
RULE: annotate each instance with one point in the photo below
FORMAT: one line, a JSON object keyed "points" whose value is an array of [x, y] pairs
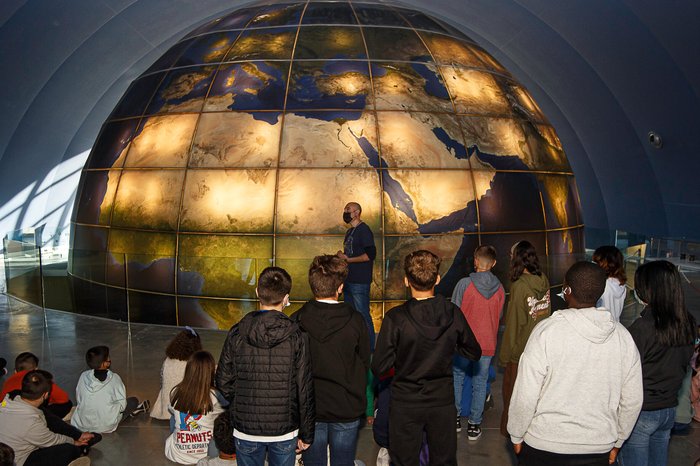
{"points": [[26, 361], [183, 345], [193, 394], [611, 260], [326, 274], [658, 284], [485, 252], [524, 257], [421, 268], [223, 433], [274, 283], [7, 455], [587, 282], [36, 383], [96, 355]]}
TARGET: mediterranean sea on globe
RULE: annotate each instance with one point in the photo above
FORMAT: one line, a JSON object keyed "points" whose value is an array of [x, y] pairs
{"points": [[240, 146]]}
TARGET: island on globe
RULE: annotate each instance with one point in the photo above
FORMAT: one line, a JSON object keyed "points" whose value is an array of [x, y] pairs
{"points": [[240, 146]]}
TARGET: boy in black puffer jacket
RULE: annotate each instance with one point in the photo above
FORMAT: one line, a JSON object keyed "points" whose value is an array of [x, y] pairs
{"points": [[418, 339], [265, 373], [340, 356]]}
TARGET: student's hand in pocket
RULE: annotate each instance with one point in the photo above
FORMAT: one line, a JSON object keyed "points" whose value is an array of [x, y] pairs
{"points": [[613, 455]]}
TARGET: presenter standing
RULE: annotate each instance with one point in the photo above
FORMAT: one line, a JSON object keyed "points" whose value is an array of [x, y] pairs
{"points": [[359, 251]]}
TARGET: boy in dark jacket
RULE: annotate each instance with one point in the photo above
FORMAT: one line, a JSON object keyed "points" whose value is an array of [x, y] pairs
{"points": [[339, 343], [418, 339], [265, 373]]}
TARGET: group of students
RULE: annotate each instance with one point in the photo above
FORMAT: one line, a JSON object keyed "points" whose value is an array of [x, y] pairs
{"points": [[578, 387], [40, 426]]}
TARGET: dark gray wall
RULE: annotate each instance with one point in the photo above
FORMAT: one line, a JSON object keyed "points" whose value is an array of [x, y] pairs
{"points": [[605, 72]]}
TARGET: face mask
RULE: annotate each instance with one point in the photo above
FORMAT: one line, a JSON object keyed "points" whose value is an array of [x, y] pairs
{"points": [[347, 217]]}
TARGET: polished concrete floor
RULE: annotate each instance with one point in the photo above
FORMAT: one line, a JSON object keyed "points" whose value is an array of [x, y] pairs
{"points": [[60, 339]]}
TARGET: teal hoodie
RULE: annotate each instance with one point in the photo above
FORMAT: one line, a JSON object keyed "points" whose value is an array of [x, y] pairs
{"points": [[100, 404]]}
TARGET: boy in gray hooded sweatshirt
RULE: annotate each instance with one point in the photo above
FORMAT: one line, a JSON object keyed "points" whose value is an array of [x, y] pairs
{"points": [[579, 386]]}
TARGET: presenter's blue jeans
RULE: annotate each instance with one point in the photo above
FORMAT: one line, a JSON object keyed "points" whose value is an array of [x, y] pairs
{"points": [[340, 437], [278, 453], [648, 443], [357, 294], [479, 372]]}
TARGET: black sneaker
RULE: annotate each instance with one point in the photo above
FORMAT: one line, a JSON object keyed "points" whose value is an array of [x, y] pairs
{"points": [[85, 449], [459, 425], [143, 407], [473, 431]]}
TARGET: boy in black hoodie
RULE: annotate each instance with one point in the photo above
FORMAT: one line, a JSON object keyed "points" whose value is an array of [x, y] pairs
{"points": [[339, 343], [418, 339], [265, 374]]}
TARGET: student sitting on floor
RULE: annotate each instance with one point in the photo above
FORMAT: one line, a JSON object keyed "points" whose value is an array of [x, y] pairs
{"points": [[101, 396], [179, 350], [59, 402], [224, 441], [195, 406], [55, 424], [23, 427]]}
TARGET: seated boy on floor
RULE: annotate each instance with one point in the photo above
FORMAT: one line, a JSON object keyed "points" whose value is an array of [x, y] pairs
{"points": [[101, 396], [59, 403], [224, 441], [23, 427]]}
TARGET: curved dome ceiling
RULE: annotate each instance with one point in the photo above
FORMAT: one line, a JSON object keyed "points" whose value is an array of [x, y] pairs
{"points": [[605, 73]]}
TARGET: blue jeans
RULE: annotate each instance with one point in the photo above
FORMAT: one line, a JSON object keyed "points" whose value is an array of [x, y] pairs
{"points": [[648, 443], [357, 294], [341, 437], [479, 372], [278, 453]]}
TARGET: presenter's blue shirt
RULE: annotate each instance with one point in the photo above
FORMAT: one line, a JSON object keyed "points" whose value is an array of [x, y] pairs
{"points": [[360, 240]]}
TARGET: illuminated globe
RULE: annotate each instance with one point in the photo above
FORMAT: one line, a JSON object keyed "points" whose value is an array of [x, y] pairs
{"points": [[241, 145]]}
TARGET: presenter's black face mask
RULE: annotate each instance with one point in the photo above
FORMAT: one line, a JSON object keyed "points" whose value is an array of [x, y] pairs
{"points": [[347, 217]]}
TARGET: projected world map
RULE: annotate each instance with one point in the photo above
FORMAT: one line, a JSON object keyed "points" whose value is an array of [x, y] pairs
{"points": [[240, 146]]}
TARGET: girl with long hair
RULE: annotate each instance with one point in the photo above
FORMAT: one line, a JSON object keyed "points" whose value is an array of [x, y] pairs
{"points": [[610, 259], [179, 350], [195, 406], [528, 304], [664, 334]]}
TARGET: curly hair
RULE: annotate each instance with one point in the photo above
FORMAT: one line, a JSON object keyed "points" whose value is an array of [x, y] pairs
{"points": [[184, 345]]}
